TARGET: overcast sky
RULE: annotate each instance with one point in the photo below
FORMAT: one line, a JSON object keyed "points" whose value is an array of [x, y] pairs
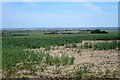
{"points": [[59, 14]]}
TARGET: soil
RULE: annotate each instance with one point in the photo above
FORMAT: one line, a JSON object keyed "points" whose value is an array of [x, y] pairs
{"points": [[98, 61]]}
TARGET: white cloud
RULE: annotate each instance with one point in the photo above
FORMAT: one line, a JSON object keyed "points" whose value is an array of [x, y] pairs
{"points": [[93, 7]]}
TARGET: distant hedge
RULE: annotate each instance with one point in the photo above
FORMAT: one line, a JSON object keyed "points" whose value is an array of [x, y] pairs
{"points": [[98, 31]]}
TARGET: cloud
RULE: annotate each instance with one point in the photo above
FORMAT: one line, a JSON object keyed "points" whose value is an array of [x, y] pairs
{"points": [[93, 7]]}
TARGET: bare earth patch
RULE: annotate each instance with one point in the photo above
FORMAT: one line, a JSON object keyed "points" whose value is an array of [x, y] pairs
{"points": [[98, 62]]}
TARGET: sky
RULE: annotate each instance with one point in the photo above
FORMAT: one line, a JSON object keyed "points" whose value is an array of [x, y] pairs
{"points": [[59, 14], [59, 0]]}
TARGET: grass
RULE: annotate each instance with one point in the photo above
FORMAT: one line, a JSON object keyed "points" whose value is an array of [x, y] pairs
{"points": [[102, 45], [80, 71], [27, 60], [56, 60], [14, 49], [72, 60]]}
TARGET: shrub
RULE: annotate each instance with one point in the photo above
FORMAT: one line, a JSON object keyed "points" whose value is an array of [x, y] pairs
{"points": [[98, 31]]}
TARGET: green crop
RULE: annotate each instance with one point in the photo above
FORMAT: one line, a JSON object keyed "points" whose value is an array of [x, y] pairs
{"points": [[15, 57], [102, 45]]}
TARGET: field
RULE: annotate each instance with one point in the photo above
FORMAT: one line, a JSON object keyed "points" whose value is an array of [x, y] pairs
{"points": [[33, 54]]}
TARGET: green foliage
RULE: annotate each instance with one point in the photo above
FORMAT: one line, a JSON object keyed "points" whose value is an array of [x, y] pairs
{"points": [[11, 56], [86, 45], [13, 48], [78, 50], [56, 60], [65, 59], [81, 71], [102, 45], [118, 45], [99, 31], [109, 74], [72, 60], [106, 45], [48, 40], [42, 67], [74, 45]]}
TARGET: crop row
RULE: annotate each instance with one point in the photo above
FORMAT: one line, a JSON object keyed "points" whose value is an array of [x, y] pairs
{"points": [[14, 49], [102, 45], [48, 40], [16, 58]]}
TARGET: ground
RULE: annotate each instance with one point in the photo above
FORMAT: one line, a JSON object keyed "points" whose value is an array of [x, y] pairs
{"points": [[99, 62]]}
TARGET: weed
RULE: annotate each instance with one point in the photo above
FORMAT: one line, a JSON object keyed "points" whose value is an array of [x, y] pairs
{"points": [[72, 60], [81, 71]]}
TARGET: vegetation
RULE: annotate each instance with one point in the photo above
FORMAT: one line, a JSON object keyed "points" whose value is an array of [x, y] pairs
{"points": [[15, 57], [102, 45], [99, 31], [80, 71]]}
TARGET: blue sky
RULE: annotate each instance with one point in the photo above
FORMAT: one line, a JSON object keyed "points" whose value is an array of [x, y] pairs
{"points": [[60, 0], [59, 14]]}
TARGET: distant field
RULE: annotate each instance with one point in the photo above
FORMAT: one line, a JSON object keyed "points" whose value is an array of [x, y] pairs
{"points": [[36, 39], [39, 32], [16, 42]]}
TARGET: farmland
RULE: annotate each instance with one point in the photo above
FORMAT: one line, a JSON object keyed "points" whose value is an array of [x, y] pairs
{"points": [[33, 54]]}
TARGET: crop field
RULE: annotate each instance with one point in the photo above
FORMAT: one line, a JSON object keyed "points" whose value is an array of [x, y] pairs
{"points": [[34, 54]]}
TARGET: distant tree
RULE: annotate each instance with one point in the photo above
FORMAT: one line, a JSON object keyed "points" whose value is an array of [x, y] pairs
{"points": [[20, 34], [3, 34], [99, 31], [88, 30]]}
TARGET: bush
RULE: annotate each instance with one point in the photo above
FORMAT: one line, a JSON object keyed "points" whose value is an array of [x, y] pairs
{"points": [[98, 31]]}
